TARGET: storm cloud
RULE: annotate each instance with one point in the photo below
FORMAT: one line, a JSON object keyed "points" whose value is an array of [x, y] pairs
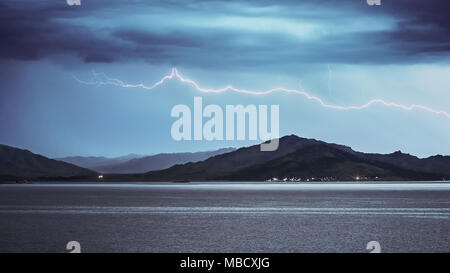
{"points": [[198, 33], [345, 52]]}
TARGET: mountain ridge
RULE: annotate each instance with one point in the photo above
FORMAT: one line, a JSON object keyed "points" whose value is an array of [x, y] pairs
{"points": [[230, 166], [17, 164], [133, 163], [301, 158], [93, 162]]}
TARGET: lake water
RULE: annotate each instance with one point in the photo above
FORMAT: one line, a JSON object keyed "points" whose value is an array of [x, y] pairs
{"points": [[225, 217]]}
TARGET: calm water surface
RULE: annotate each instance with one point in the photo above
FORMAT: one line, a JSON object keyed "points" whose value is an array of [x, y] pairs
{"points": [[225, 217]]}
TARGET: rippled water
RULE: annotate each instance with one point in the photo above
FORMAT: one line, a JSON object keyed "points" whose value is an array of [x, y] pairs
{"points": [[225, 217]]}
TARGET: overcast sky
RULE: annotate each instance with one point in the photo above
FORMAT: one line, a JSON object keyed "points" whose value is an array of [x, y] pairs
{"points": [[344, 52]]}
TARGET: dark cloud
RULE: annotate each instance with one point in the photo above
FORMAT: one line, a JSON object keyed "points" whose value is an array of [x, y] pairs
{"points": [[165, 39], [37, 30], [424, 27], [29, 32]]}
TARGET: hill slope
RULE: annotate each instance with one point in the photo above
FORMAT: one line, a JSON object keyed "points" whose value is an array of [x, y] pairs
{"points": [[17, 163], [159, 161], [298, 157], [325, 162], [94, 162]]}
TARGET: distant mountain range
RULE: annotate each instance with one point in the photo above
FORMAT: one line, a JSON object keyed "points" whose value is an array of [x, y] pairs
{"points": [[141, 164], [17, 164], [296, 158], [95, 162], [305, 159]]}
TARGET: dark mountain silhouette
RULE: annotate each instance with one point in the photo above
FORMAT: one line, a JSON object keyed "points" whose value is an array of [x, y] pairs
{"points": [[159, 161], [296, 157], [432, 164], [22, 164], [303, 158], [325, 162]]}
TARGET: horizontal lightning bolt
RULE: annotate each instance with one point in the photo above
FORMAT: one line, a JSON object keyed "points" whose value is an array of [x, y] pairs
{"points": [[177, 75]]}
